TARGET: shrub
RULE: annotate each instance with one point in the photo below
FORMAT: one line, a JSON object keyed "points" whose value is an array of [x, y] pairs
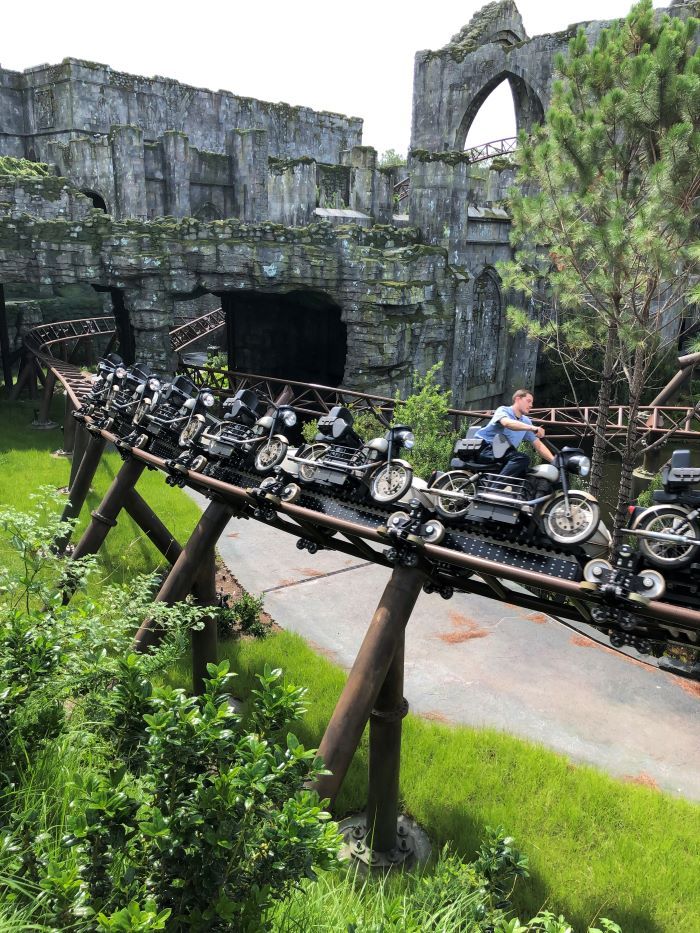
{"points": [[219, 824], [242, 617], [426, 411]]}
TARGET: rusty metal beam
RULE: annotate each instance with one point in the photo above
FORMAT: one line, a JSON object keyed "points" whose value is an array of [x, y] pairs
{"points": [[151, 525], [80, 442], [80, 487], [367, 677], [205, 640], [187, 567]]}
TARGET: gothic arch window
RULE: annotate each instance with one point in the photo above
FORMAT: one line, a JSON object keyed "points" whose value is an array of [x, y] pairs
{"points": [[482, 368], [505, 92]]}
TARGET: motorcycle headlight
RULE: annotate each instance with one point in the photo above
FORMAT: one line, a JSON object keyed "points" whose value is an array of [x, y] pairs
{"points": [[580, 465], [120, 372], [207, 399], [407, 438], [154, 384], [289, 418]]}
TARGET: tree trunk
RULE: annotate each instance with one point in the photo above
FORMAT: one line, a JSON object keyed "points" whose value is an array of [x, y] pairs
{"points": [[604, 397], [632, 449]]}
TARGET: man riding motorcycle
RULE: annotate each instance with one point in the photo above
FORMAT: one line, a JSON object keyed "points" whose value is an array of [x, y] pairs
{"points": [[513, 421]]}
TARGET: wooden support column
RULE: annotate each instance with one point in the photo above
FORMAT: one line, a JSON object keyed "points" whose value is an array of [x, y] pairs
{"points": [[46, 399], [205, 647], [80, 442], [80, 487]]}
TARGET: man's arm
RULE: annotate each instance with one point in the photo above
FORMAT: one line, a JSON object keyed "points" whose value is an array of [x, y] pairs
{"points": [[514, 425], [543, 450]]}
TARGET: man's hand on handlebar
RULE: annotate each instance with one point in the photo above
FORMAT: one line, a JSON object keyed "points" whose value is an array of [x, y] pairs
{"points": [[539, 431]]}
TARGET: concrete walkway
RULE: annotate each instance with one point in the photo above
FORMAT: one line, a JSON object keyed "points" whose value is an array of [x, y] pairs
{"points": [[476, 661]]}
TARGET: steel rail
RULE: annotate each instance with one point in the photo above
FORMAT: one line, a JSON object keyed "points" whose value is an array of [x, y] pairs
{"points": [[660, 611]]}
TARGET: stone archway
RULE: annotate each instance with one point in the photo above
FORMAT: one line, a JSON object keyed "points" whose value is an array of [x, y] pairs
{"points": [[297, 335], [527, 105], [97, 200]]}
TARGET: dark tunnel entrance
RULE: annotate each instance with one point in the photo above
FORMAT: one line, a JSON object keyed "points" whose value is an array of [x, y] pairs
{"points": [[298, 335]]}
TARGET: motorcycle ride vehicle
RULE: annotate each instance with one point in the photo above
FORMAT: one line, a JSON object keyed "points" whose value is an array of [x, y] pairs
{"points": [[542, 501], [166, 410], [338, 458], [252, 433], [94, 402], [669, 530], [128, 385]]}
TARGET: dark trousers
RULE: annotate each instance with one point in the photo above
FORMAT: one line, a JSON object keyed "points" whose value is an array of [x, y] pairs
{"points": [[512, 464]]}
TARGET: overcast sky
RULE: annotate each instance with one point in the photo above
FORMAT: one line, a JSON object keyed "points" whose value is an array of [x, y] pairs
{"points": [[355, 57]]}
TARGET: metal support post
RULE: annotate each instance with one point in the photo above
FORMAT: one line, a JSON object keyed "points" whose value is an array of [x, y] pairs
{"points": [[43, 421], [385, 756], [368, 674], [151, 525], [80, 487], [187, 568], [105, 515], [69, 426], [5, 352], [205, 640], [80, 443]]}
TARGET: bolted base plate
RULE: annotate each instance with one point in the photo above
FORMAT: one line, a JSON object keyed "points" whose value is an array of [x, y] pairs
{"points": [[412, 844]]}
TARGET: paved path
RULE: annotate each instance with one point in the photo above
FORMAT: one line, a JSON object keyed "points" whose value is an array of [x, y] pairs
{"points": [[474, 660]]}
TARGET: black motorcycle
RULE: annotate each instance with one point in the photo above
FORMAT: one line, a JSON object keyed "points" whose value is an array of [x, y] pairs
{"points": [[543, 500], [95, 402], [669, 530], [234, 438], [169, 411], [128, 385], [339, 459]]}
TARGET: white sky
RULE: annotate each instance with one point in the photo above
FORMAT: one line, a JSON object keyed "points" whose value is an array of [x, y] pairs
{"points": [[355, 58]]}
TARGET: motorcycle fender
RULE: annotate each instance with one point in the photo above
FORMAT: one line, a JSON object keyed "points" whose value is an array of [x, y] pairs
{"points": [[404, 463], [280, 437]]}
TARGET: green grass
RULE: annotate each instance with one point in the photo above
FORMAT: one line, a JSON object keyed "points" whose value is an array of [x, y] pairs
{"points": [[26, 464], [596, 845]]}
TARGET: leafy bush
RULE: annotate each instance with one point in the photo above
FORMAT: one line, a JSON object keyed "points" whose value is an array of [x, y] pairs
{"points": [[242, 617], [218, 825], [426, 411]]}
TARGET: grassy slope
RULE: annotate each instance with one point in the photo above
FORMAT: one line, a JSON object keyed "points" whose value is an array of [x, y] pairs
{"points": [[595, 844]]}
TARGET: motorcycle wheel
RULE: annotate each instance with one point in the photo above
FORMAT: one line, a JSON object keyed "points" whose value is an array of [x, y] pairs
{"points": [[307, 473], [269, 455], [141, 410], [454, 481], [575, 528], [390, 482], [191, 432], [668, 554]]}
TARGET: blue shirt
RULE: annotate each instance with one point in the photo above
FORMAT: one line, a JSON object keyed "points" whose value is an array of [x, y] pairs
{"points": [[494, 427]]}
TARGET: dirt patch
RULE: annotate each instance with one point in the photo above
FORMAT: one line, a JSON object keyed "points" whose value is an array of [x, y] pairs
{"points": [[455, 638], [434, 716], [643, 779], [692, 688], [466, 629], [233, 534], [539, 617]]}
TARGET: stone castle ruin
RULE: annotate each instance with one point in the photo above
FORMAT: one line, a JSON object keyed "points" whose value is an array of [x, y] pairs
{"points": [[171, 199]]}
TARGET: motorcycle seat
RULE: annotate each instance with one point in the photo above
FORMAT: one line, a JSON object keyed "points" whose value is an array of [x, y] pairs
{"points": [[680, 472]]}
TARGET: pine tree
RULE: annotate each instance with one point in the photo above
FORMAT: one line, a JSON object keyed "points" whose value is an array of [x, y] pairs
{"points": [[608, 215]]}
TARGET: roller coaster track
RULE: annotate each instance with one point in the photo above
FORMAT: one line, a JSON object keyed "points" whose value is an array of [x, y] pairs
{"points": [[466, 560], [480, 153]]}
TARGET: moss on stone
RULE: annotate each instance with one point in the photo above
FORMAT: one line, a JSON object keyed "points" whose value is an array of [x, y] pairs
{"points": [[23, 167]]}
